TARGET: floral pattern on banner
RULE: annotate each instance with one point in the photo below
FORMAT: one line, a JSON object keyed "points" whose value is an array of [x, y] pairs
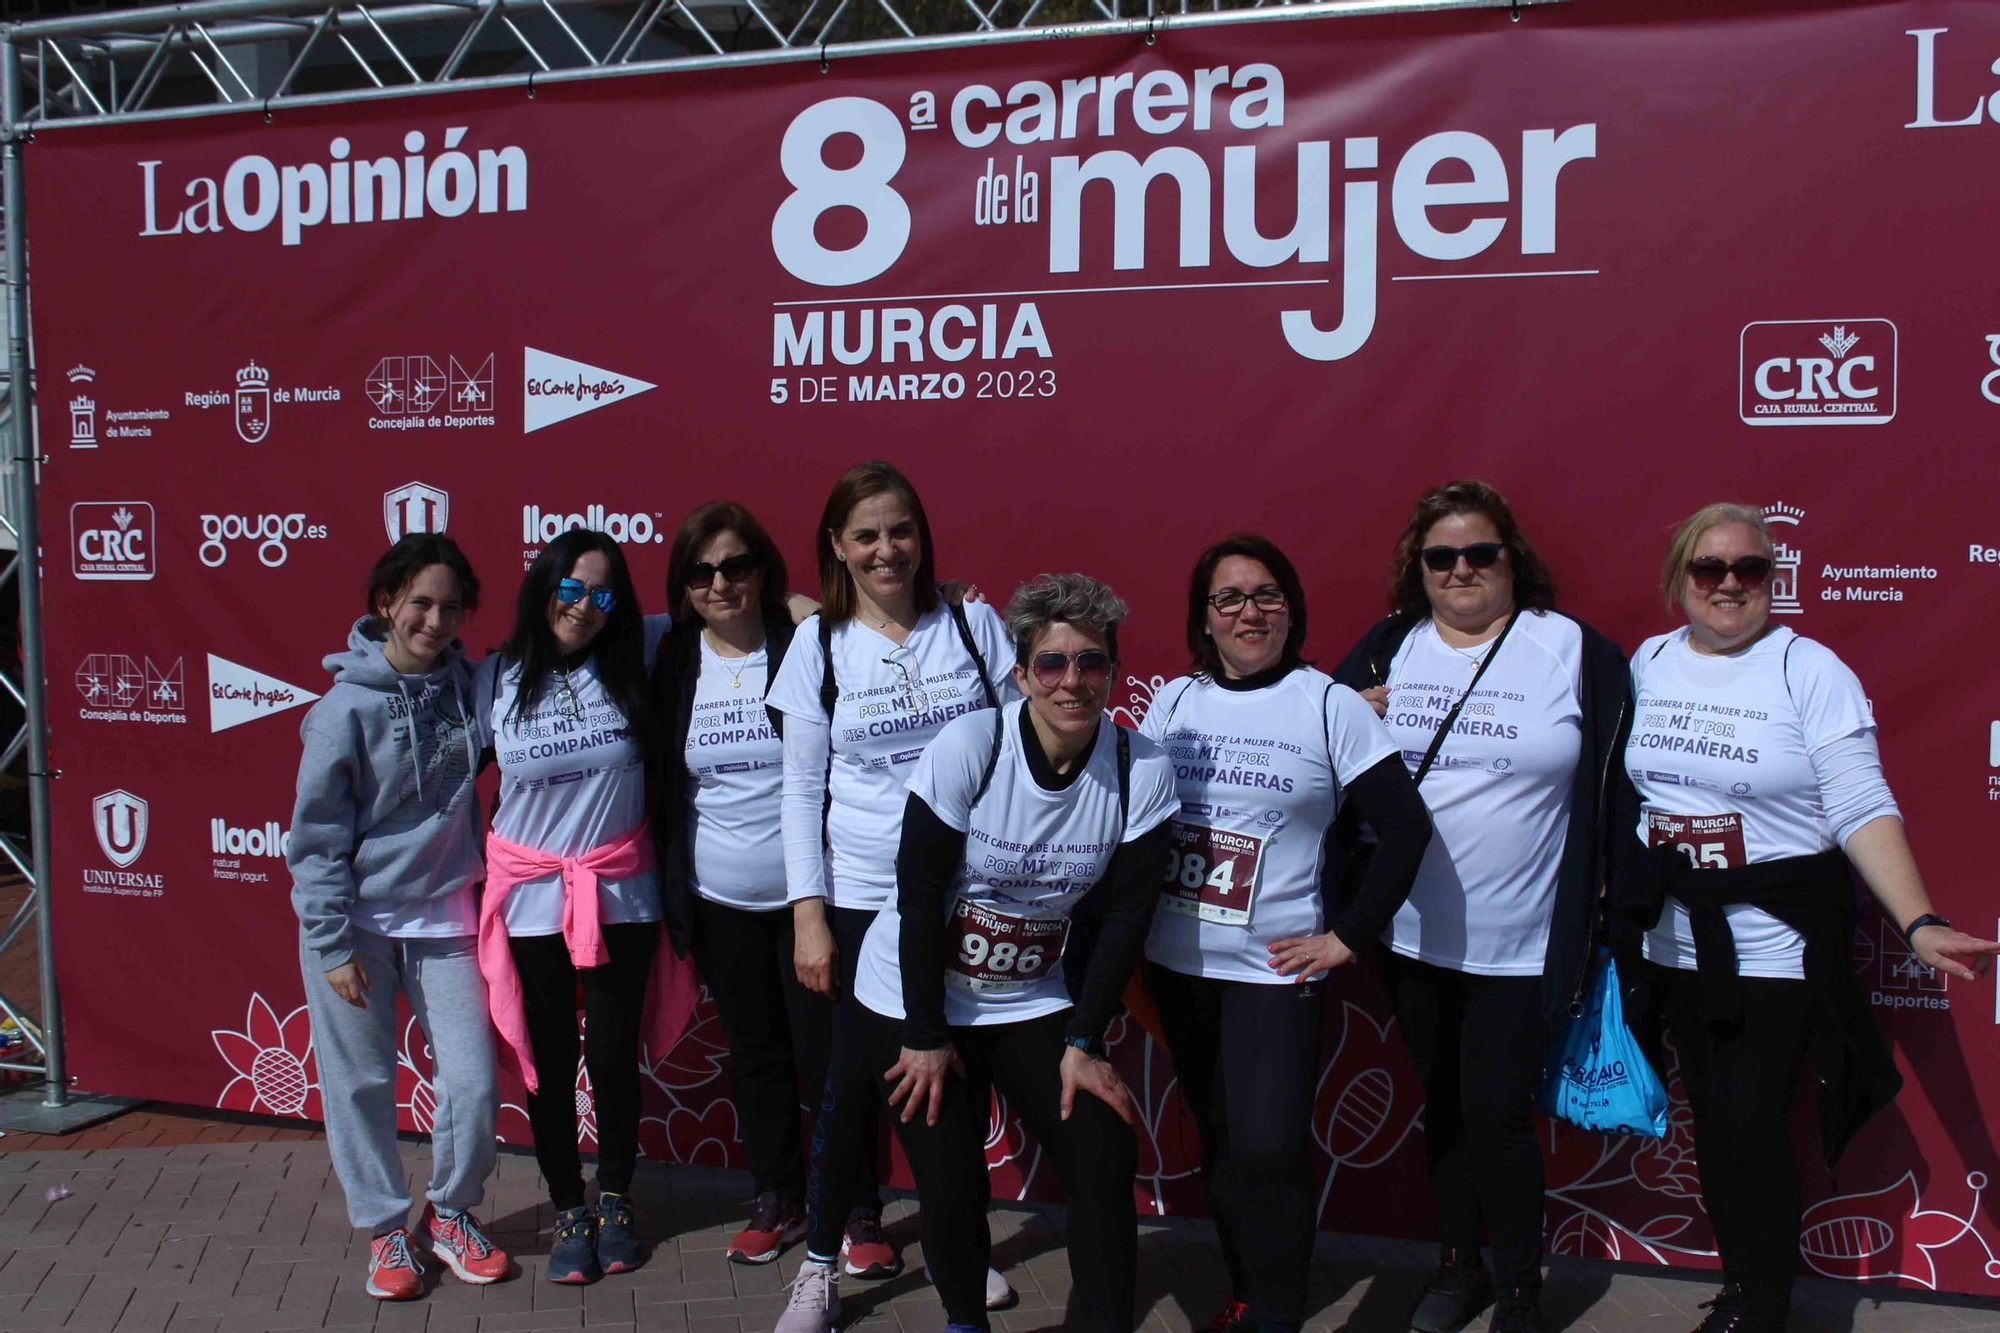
{"points": [[1630, 1199]]}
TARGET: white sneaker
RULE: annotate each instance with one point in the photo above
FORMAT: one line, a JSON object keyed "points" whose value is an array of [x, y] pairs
{"points": [[814, 1306], [999, 1296]]}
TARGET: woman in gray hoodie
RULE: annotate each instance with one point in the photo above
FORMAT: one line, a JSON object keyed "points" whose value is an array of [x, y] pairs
{"points": [[385, 852]]}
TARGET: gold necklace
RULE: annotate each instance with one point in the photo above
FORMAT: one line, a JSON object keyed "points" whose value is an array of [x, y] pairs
{"points": [[735, 673]]}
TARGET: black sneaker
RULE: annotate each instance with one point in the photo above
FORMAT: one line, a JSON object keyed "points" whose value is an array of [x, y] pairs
{"points": [[1458, 1291], [618, 1249], [1519, 1311]]}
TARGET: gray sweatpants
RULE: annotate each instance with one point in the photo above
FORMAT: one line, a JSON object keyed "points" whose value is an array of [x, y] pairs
{"points": [[357, 1073]]}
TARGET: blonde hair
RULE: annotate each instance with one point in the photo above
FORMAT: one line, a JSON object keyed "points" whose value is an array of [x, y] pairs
{"points": [[1673, 574]]}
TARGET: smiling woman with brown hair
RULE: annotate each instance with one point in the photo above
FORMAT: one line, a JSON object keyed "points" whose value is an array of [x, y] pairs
{"points": [[1508, 713]]}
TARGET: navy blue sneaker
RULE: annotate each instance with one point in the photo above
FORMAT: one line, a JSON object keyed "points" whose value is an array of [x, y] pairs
{"points": [[617, 1243], [573, 1257]]}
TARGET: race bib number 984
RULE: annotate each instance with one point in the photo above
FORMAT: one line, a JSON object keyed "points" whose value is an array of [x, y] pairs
{"points": [[994, 954], [1213, 874], [1711, 842]]}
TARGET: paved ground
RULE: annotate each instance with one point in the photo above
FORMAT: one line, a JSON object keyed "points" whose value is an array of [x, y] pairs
{"points": [[216, 1237]]}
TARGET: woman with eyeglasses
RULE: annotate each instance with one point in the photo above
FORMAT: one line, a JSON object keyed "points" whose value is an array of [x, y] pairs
{"points": [[572, 894], [1266, 751], [1756, 790], [867, 684], [966, 978], [716, 775], [1509, 715]]}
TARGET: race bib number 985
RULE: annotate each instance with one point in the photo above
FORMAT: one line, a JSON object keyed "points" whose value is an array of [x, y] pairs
{"points": [[1213, 874], [994, 954], [1711, 842]]}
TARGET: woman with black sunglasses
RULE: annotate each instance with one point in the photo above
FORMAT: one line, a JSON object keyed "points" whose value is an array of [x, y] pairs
{"points": [[1756, 792], [1509, 714], [967, 977], [1266, 752], [716, 773], [571, 890]]}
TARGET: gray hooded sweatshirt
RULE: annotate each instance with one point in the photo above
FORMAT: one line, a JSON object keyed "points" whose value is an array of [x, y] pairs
{"points": [[385, 835]]}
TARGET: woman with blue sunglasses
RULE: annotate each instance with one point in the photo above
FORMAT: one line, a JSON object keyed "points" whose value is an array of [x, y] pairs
{"points": [[571, 892]]}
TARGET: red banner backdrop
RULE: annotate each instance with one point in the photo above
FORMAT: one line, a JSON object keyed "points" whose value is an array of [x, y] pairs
{"points": [[1105, 300]]}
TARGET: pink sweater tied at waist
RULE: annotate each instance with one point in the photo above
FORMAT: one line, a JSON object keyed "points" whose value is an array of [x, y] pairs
{"points": [[671, 993]]}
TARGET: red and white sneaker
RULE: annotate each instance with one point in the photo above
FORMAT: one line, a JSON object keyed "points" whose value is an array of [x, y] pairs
{"points": [[462, 1247], [394, 1271], [774, 1224], [863, 1251]]}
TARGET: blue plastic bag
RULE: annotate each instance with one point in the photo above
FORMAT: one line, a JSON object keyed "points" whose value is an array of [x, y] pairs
{"points": [[1595, 1076]]}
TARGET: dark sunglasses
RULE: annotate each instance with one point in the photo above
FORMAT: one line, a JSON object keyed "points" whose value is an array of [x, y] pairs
{"points": [[1093, 667], [1479, 555], [1229, 601], [1708, 572], [733, 570], [572, 590]]}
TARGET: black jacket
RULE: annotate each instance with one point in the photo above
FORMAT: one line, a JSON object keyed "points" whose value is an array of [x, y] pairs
{"points": [[1814, 895], [1585, 867], [675, 671]]}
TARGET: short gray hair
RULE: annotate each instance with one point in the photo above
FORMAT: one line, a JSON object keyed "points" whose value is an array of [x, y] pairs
{"points": [[1077, 600]]}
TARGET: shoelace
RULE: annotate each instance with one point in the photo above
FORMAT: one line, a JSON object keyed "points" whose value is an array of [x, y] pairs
{"points": [[621, 1214], [570, 1230], [864, 1228], [461, 1227], [395, 1252], [764, 1210], [808, 1294]]}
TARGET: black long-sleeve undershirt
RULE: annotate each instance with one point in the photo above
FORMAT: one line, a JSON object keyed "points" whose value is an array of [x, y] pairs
{"points": [[927, 863], [1386, 798]]}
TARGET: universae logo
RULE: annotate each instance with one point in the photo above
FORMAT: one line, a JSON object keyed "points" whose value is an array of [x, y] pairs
{"points": [[121, 821], [415, 506], [1817, 372]]}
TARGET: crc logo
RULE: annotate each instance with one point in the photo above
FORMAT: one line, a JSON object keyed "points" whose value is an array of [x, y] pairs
{"points": [[111, 540], [82, 411], [121, 820], [271, 532], [414, 506], [1807, 372], [414, 385], [253, 403]]}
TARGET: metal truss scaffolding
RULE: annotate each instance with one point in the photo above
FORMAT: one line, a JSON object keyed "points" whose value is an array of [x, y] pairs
{"points": [[217, 57]]}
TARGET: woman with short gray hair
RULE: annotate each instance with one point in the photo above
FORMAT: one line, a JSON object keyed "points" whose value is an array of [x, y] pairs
{"points": [[1012, 819]]}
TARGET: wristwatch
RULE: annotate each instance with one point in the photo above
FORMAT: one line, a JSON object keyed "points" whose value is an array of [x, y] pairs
{"points": [[1927, 919], [1093, 1046]]}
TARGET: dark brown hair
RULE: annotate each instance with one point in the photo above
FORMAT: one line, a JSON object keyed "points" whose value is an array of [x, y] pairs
{"points": [[703, 526], [1207, 658], [412, 554], [861, 482], [1534, 586]]}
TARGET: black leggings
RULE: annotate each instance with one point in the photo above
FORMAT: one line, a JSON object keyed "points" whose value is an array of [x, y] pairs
{"points": [[1477, 1043], [1094, 1154], [778, 1035], [1740, 1081], [614, 996], [846, 1170], [1248, 1058]]}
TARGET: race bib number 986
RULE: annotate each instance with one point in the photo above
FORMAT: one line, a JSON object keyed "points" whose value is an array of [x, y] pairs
{"points": [[1213, 874], [1711, 842], [994, 954]]}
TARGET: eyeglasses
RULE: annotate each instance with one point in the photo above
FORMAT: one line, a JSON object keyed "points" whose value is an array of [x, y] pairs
{"points": [[572, 590], [1229, 601], [733, 570], [1093, 667], [1708, 572], [1479, 555], [566, 698], [914, 693]]}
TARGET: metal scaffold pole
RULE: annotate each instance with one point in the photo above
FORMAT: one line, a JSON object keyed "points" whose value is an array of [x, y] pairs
{"points": [[21, 478]]}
